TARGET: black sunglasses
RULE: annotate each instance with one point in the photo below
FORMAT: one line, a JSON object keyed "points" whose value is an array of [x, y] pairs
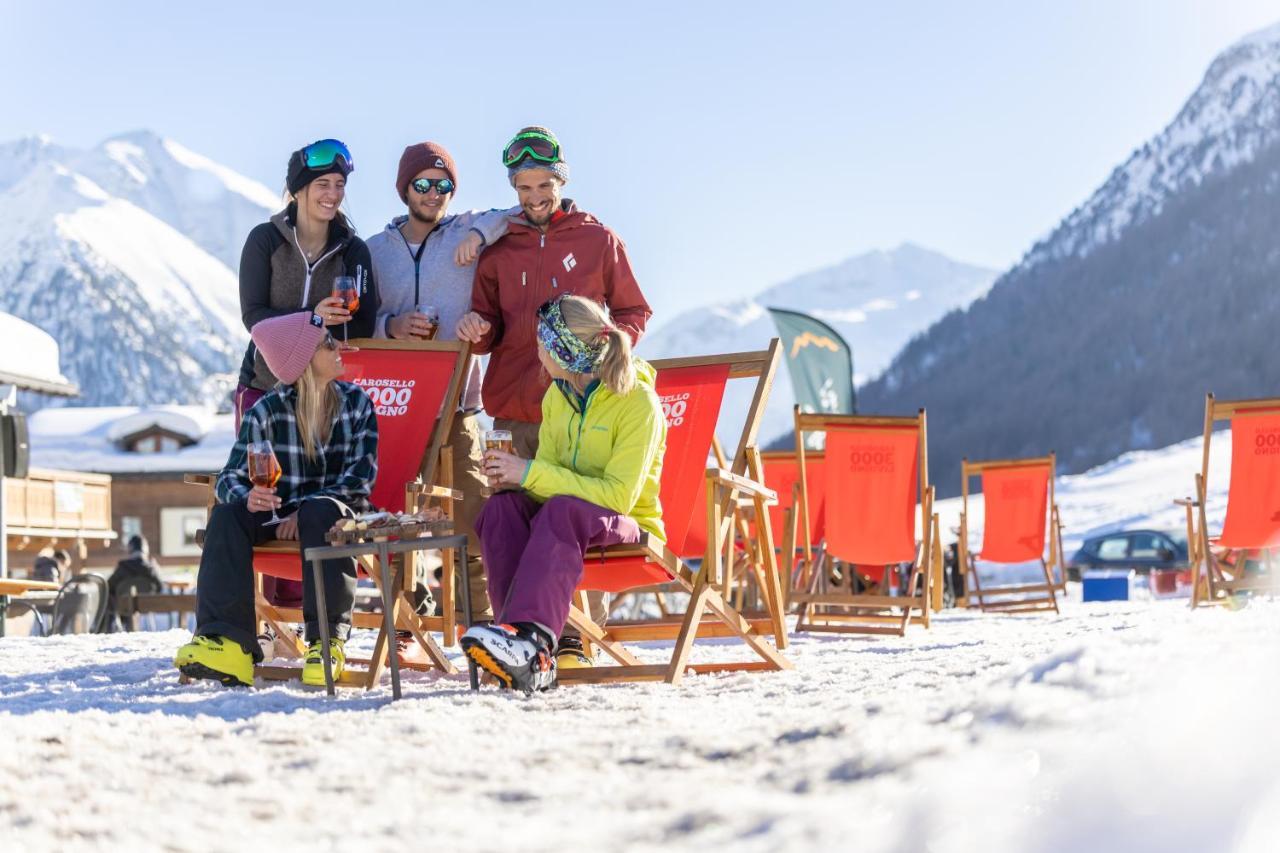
{"points": [[422, 186], [329, 342]]}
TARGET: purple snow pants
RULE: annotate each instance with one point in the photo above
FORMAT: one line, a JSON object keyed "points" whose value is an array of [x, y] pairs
{"points": [[533, 552]]}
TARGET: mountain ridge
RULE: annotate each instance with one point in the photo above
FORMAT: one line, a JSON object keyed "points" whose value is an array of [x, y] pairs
{"points": [[125, 254], [876, 300], [1105, 337]]}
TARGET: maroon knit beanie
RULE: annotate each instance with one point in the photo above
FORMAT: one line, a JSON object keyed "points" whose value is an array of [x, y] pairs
{"points": [[424, 155], [288, 343]]}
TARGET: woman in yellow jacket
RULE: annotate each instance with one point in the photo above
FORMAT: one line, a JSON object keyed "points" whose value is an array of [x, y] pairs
{"points": [[593, 482]]}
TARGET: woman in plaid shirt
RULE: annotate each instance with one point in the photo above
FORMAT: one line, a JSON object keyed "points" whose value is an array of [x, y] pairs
{"points": [[325, 436]]}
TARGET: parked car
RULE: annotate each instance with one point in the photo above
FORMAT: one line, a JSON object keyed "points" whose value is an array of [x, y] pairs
{"points": [[1142, 550]]}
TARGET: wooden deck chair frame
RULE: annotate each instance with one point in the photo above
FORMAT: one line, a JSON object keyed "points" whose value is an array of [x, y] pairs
{"points": [[827, 605], [434, 482], [1218, 573], [1029, 597], [704, 586]]}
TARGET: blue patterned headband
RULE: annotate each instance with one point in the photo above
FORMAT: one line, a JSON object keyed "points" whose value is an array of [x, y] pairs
{"points": [[565, 348]]}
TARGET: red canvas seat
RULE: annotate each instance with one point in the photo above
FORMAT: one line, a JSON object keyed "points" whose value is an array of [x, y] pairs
{"points": [[694, 499], [1242, 559], [414, 386], [875, 476], [691, 398], [1020, 516], [408, 388], [782, 474]]}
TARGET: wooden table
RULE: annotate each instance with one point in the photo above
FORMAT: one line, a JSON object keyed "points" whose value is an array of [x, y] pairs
{"points": [[383, 548], [14, 586]]}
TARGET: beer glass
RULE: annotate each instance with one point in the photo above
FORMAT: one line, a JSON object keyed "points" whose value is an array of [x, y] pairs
{"points": [[497, 439]]}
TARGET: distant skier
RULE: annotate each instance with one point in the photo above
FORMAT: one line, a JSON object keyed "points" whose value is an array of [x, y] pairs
{"points": [[52, 566], [137, 571], [551, 248]]}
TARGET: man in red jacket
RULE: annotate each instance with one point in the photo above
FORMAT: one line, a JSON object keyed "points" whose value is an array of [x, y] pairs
{"points": [[550, 248]]}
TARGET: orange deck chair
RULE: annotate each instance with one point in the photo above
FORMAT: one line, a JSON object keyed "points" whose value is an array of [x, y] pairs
{"points": [[1242, 558], [411, 383], [782, 475], [1018, 498], [876, 471], [691, 390]]}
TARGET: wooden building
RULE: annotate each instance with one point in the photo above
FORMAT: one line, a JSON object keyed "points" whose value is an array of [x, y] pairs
{"points": [[41, 508], [145, 451]]}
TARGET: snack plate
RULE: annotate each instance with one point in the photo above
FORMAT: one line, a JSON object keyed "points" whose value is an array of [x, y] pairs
{"points": [[373, 526]]}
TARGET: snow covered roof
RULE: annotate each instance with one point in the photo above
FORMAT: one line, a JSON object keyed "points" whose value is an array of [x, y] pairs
{"points": [[29, 359], [190, 421], [87, 439]]}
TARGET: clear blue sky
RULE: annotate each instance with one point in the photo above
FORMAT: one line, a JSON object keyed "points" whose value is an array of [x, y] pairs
{"points": [[731, 144]]}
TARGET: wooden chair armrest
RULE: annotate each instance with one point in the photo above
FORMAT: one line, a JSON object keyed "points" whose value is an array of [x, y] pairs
{"points": [[435, 492], [739, 483], [206, 480]]}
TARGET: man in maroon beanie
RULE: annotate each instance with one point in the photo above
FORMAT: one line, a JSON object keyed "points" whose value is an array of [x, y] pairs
{"points": [[424, 262]]}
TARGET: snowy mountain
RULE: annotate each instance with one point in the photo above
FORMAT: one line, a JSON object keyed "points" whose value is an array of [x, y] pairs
{"points": [[125, 254], [1228, 120], [1161, 286], [877, 301]]}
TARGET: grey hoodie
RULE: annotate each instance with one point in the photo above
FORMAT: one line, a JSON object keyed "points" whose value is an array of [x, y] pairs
{"points": [[440, 281]]}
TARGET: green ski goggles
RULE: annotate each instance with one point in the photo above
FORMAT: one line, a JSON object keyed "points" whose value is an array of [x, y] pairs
{"points": [[532, 144], [324, 153]]}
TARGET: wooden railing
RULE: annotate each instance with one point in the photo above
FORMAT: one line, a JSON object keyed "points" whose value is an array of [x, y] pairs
{"points": [[58, 503]]}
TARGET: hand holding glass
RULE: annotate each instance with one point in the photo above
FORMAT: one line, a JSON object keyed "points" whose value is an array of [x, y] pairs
{"points": [[344, 287], [497, 439], [432, 313], [264, 471]]}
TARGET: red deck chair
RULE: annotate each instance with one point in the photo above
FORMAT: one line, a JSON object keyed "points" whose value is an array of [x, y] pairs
{"points": [[782, 475], [876, 471], [691, 390], [412, 383], [1241, 559], [1018, 502], [741, 555]]}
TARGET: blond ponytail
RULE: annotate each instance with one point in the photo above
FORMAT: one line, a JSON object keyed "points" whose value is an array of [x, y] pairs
{"points": [[589, 321], [617, 371]]}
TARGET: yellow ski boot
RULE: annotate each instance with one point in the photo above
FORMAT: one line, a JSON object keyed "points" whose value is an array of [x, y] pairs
{"points": [[571, 655], [313, 665], [217, 659]]}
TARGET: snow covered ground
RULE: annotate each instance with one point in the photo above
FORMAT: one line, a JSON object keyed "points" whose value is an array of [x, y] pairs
{"points": [[1126, 726]]}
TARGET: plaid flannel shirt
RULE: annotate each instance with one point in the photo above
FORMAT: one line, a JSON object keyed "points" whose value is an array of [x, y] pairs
{"points": [[345, 470]]}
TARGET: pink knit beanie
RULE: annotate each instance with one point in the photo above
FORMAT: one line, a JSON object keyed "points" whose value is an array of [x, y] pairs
{"points": [[288, 343]]}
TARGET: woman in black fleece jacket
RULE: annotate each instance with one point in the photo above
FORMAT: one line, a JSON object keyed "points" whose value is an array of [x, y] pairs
{"points": [[289, 263]]}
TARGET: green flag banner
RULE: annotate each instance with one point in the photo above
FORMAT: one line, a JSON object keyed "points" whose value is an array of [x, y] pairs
{"points": [[819, 361]]}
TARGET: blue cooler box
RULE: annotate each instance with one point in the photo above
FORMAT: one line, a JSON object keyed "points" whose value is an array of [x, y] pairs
{"points": [[1108, 585]]}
